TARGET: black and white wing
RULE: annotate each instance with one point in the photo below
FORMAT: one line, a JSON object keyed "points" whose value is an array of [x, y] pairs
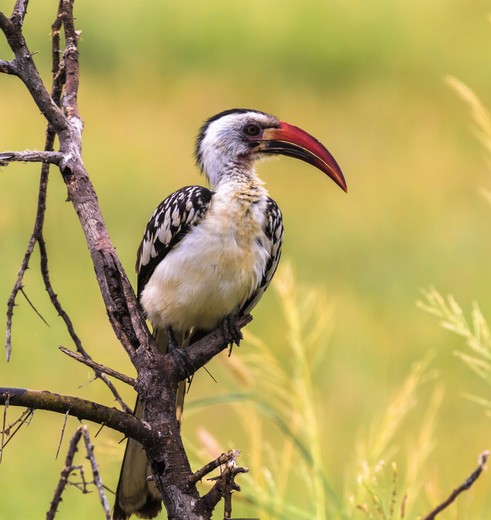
{"points": [[274, 234], [173, 218]]}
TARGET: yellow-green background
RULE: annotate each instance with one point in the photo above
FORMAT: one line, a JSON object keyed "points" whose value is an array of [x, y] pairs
{"points": [[364, 76]]}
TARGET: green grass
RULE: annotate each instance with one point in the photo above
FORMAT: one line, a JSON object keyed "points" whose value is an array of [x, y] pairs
{"points": [[368, 79]]}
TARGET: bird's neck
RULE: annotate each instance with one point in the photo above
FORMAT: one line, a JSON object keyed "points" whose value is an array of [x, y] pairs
{"points": [[239, 180], [238, 210]]}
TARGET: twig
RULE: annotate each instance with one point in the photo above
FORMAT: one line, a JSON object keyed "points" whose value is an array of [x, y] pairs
{"points": [[82, 431], [224, 486], [25, 418], [17, 287], [211, 466], [84, 355], [4, 425], [95, 473], [97, 366], [62, 433], [33, 307], [82, 485], [72, 449], [463, 487]]}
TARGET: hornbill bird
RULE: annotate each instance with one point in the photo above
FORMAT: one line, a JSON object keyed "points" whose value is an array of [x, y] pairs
{"points": [[208, 255]]}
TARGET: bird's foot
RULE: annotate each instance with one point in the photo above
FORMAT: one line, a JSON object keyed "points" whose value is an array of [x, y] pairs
{"points": [[179, 355], [231, 330]]}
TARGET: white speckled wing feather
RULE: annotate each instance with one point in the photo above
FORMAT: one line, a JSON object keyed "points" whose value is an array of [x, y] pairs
{"points": [[170, 222], [274, 231]]}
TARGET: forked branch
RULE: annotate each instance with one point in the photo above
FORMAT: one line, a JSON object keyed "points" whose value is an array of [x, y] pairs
{"points": [[69, 467]]}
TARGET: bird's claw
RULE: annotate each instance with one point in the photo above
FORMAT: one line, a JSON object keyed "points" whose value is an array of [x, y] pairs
{"points": [[179, 355], [231, 330]]}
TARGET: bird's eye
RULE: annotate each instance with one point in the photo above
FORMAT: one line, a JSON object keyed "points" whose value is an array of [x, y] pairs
{"points": [[252, 130]]}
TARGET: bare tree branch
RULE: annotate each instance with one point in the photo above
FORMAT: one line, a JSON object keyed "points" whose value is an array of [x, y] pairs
{"points": [[80, 408], [19, 12], [95, 473], [10, 430], [224, 486], [68, 468], [100, 368], [212, 466], [463, 487], [4, 427], [37, 234], [47, 156], [82, 431], [30, 156]]}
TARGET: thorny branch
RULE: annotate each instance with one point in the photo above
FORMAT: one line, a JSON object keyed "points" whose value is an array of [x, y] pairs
{"points": [[98, 367], [8, 432], [37, 234], [46, 157], [76, 407], [463, 487], [158, 374], [82, 431]]}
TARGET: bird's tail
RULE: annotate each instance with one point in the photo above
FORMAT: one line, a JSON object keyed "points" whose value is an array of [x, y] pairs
{"points": [[183, 340], [135, 493]]}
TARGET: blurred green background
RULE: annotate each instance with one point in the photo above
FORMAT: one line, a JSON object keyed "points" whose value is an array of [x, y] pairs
{"points": [[365, 77]]}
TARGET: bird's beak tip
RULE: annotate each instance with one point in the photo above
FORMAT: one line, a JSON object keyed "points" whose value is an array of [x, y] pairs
{"points": [[292, 141]]}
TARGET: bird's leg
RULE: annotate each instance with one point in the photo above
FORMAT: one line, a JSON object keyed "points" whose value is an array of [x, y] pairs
{"points": [[172, 343], [230, 329], [179, 355]]}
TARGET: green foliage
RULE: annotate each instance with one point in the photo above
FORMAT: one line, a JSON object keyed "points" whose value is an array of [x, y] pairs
{"points": [[476, 335]]}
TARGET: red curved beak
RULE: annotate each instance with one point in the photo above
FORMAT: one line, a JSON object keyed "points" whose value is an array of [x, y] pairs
{"points": [[294, 142]]}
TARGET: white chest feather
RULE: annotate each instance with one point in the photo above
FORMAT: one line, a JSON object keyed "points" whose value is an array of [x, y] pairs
{"points": [[213, 270]]}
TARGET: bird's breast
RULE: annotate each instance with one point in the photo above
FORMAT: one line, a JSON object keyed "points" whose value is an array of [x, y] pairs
{"points": [[212, 271]]}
